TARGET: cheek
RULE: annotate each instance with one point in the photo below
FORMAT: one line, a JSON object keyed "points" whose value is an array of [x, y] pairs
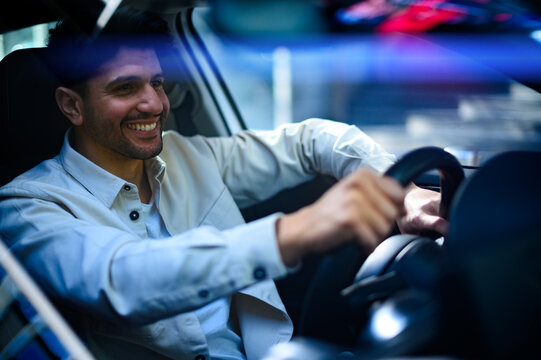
{"points": [[118, 110]]}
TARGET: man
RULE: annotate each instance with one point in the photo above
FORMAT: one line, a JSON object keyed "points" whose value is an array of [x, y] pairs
{"points": [[138, 234]]}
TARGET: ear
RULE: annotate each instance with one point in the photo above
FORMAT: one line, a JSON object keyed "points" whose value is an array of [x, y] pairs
{"points": [[71, 104]]}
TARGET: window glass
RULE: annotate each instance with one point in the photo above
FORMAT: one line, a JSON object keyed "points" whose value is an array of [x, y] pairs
{"points": [[34, 36], [406, 91]]}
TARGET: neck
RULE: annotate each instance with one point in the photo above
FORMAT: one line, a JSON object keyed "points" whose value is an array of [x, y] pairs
{"points": [[131, 170], [135, 173]]}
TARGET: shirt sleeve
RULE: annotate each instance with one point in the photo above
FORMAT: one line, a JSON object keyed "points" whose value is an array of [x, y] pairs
{"points": [[119, 276], [257, 164]]}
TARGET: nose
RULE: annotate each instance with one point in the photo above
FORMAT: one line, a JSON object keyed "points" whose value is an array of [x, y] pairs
{"points": [[151, 100]]}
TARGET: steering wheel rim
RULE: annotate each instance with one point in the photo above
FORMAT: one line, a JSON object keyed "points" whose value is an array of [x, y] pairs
{"points": [[323, 307], [429, 158]]}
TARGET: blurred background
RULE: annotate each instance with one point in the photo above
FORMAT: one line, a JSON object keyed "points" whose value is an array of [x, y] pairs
{"points": [[462, 75]]}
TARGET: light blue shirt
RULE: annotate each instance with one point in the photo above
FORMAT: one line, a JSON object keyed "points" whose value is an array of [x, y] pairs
{"points": [[223, 342], [80, 232]]}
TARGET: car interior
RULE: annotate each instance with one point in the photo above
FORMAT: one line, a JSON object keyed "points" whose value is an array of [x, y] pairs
{"points": [[473, 294], [32, 328]]}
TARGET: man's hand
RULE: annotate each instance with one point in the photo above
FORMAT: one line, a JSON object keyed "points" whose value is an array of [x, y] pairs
{"points": [[420, 213], [362, 207]]}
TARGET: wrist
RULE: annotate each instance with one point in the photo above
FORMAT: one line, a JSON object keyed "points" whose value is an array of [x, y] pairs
{"points": [[288, 236]]}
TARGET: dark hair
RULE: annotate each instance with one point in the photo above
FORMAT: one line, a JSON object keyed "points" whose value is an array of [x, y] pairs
{"points": [[76, 53]]}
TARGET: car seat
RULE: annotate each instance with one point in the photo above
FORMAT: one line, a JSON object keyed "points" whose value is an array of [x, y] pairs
{"points": [[493, 247], [31, 124], [30, 326], [33, 129]]}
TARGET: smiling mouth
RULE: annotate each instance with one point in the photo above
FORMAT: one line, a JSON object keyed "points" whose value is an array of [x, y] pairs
{"points": [[143, 127]]}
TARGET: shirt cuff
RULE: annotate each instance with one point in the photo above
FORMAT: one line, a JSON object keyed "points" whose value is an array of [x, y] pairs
{"points": [[256, 244]]}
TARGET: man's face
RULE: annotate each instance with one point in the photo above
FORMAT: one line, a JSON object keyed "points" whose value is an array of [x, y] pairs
{"points": [[125, 107]]}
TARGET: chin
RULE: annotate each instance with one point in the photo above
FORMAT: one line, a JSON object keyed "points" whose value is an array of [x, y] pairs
{"points": [[150, 154], [142, 152]]}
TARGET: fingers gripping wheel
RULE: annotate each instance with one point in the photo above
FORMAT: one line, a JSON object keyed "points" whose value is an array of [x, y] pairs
{"points": [[328, 315], [425, 159]]}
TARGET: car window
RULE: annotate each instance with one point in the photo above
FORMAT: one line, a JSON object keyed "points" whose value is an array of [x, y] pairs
{"points": [[33, 36], [404, 90]]}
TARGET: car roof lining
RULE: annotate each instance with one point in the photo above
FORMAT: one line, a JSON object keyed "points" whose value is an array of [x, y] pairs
{"points": [[24, 13]]}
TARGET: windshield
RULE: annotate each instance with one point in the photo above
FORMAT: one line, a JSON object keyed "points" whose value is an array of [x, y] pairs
{"points": [[405, 89]]}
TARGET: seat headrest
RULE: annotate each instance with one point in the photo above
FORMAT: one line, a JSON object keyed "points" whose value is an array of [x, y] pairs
{"points": [[497, 203], [31, 124]]}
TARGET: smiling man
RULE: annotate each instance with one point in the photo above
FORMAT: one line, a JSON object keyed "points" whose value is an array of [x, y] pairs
{"points": [[120, 116], [137, 232]]}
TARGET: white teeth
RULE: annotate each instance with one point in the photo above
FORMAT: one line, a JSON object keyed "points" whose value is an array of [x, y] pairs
{"points": [[143, 127]]}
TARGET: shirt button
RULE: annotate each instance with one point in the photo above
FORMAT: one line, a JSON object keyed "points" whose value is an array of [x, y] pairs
{"points": [[127, 187], [204, 293], [260, 273], [200, 357], [134, 215]]}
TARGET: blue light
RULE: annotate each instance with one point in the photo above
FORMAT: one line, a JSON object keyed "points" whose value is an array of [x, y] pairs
{"points": [[387, 323], [536, 35]]}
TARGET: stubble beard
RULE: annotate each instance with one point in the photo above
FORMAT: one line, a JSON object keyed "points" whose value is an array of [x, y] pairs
{"points": [[132, 151], [121, 144]]}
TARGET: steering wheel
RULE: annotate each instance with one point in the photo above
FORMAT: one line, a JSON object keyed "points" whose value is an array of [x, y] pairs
{"points": [[326, 312]]}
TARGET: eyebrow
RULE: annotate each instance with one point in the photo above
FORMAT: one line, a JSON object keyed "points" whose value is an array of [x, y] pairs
{"points": [[122, 79]]}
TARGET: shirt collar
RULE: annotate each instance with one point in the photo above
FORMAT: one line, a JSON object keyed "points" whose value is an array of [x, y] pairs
{"points": [[155, 168], [98, 181]]}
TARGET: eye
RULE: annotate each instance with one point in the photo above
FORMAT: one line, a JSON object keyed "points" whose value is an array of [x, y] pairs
{"points": [[125, 88], [157, 83]]}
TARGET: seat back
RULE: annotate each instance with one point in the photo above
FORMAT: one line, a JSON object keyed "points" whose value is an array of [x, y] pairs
{"points": [[31, 124], [30, 326], [494, 244]]}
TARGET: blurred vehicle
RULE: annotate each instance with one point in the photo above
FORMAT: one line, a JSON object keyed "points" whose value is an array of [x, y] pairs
{"points": [[460, 75]]}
